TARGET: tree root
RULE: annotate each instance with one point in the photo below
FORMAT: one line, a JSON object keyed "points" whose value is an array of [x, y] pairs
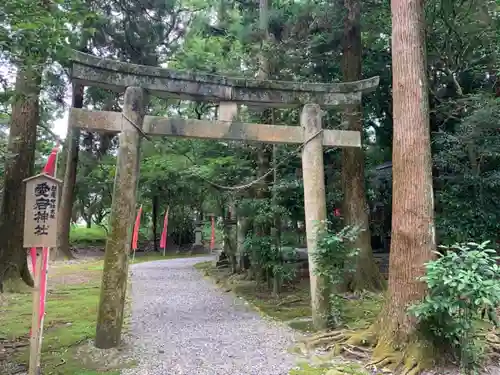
{"points": [[411, 360], [493, 343], [325, 339], [336, 343], [356, 351]]}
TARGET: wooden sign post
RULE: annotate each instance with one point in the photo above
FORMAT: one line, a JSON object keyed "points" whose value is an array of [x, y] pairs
{"points": [[40, 227]]}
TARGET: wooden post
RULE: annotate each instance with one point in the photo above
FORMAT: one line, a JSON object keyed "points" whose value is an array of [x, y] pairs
{"points": [[114, 281], [40, 225], [315, 206], [35, 342]]}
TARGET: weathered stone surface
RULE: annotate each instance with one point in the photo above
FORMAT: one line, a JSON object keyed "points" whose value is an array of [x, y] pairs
{"points": [[314, 208], [227, 111], [115, 75], [205, 129], [114, 280]]}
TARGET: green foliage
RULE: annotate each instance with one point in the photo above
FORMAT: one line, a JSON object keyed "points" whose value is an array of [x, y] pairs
{"points": [[270, 258], [464, 286], [334, 259], [468, 162], [34, 32], [83, 236]]}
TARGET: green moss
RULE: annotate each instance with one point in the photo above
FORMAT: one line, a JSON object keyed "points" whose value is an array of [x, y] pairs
{"points": [[358, 312], [70, 320], [339, 369], [362, 312], [303, 326], [308, 370], [203, 266]]}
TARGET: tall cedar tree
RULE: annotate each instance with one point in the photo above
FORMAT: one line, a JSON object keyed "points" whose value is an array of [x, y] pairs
{"points": [[413, 232], [21, 148], [367, 275], [68, 189]]}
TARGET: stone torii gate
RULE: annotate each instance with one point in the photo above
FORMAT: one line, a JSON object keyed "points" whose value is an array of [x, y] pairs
{"points": [[140, 81]]}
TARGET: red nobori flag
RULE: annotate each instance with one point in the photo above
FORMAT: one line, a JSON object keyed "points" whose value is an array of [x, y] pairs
{"points": [[50, 166], [50, 169], [135, 236], [163, 240], [212, 239]]}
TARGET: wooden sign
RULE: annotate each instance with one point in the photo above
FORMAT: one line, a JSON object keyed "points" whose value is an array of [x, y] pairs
{"points": [[40, 213]]}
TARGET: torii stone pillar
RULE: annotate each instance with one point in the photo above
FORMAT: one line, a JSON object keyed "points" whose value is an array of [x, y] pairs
{"points": [[314, 206], [114, 281]]}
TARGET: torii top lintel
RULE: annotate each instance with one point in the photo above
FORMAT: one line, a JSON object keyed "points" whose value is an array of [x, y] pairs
{"points": [[117, 76]]}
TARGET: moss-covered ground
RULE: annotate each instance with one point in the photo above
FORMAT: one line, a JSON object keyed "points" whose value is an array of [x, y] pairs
{"points": [[292, 306], [71, 311]]}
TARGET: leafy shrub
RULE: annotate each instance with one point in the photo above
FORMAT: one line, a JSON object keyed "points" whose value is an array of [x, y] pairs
{"points": [[463, 288], [271, 259], [334, 258], [82, 236]]}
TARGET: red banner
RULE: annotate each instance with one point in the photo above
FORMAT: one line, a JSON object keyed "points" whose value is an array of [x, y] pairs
{"points": [[135, 235], [50, 169], [163, 240], [212, 239], [50, 166]]}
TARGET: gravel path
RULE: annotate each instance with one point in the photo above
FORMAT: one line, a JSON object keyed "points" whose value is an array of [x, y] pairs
{"points": [[184, 324]]}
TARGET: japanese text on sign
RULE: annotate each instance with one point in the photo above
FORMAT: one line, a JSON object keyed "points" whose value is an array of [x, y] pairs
{"points": [[41, 211], [44, 207]]}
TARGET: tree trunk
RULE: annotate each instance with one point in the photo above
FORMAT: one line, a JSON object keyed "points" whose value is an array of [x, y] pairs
{"points": [[264, 153], [156, 202], [68, 189], [367, 275], [18, 166], [413, 232]]}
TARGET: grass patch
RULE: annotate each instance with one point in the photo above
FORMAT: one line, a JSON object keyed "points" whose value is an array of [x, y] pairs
{"points": [[306, 369], [71, 312], [340, 369], [70, 319], [81, 235], [302, 325]]}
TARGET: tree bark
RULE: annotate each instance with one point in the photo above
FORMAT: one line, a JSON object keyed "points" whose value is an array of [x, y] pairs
{"points": [[68, 189], [18, 166], [367, 275], [264, 151], [413, 232]]}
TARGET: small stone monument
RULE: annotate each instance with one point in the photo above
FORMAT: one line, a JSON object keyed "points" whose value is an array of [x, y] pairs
{"points": [[197, 246]]}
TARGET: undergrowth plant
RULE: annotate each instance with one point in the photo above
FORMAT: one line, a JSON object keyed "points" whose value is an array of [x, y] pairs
{"points": [[272, 260], [464, 288], [335, 259]]}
